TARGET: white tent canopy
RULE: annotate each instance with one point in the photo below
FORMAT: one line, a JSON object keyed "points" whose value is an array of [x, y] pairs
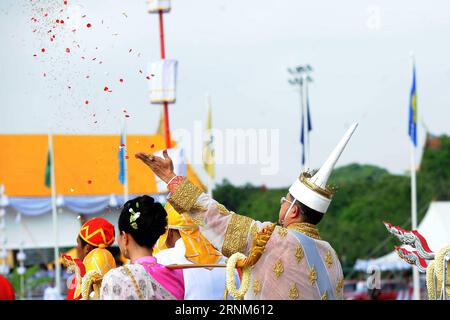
{"points": [[435, 227]]}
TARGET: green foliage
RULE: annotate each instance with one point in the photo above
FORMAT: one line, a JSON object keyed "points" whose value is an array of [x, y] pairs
{"points": [[366, 196], [30, 283]]}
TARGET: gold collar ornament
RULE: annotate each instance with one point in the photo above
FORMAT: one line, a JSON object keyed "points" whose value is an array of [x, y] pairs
{"points": [[306, 228]]}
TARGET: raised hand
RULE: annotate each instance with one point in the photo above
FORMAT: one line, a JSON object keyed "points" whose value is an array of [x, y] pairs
{"points": [[162, 167]]}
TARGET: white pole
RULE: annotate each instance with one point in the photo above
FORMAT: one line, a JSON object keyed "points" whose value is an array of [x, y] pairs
{"points": [[54, 216], [210, 186], [416, 283], [125, 163]]}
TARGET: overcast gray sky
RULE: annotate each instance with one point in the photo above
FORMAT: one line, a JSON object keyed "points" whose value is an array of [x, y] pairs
{"points": [[238, 51]]}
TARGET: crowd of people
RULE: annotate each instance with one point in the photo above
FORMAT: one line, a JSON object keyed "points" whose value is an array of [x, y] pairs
{"points": [[179, 251], [195, 248]]}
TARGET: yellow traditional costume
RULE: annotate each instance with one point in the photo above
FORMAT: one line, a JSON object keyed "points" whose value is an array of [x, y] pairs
{"points": [[198, 249], [192, 248]]}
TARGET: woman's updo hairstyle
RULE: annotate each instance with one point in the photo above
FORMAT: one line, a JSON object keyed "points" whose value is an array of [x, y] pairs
{"points": [[144, 219]]}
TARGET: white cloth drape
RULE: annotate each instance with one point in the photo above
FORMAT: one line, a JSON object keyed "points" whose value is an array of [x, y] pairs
{"points": [[163, 81]]}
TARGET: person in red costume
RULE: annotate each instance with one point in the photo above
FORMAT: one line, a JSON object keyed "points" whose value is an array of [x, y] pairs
{"points": [[94, 233], [6, 289]]}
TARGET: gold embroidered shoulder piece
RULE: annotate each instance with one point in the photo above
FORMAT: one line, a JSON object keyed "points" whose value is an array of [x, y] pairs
{"points": [[235, 239], [278, 268], [293, 292], [185, 196], [306, 228], [324, 296]]}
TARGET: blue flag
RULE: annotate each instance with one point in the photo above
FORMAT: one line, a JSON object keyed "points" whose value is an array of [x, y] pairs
{"points": [[412, 123], [122, 159], [302, 137]]}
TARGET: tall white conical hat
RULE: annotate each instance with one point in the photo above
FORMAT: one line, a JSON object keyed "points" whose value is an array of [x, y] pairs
{"points": [[313, 191]]}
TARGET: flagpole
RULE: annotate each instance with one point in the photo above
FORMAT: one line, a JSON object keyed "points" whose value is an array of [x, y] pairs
{"points": [[125, 163], [304, 120], [416, 281], [306, 123], [163, 56], [55, 217], [210, 177]]}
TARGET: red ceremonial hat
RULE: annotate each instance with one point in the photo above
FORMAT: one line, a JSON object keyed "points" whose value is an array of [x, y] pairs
{"points": [[98, 232], [6, 289]]}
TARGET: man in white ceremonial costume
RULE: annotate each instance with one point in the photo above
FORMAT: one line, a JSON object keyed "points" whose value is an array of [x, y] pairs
{"points": [[295, 262], [183, 244]]}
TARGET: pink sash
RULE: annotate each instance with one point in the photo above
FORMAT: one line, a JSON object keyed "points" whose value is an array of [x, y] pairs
{"points": [[171, 280]]}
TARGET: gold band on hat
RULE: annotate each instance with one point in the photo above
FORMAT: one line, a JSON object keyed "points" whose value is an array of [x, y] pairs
{"points": [[190, 227], [327, 192]]}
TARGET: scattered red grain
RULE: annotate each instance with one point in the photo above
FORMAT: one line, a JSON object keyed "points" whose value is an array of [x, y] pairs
{"points": [[126, 157], [89, 181], [105, 89], [89, 25], [121, 80], [86, 102], [67, 50], [42, 50]]}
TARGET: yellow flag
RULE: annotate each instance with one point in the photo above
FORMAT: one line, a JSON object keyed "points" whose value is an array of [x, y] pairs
{"points": [[208, 151]]}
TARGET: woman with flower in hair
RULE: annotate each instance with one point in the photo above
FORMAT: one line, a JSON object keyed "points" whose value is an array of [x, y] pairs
{"points": [[141, 222]]}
